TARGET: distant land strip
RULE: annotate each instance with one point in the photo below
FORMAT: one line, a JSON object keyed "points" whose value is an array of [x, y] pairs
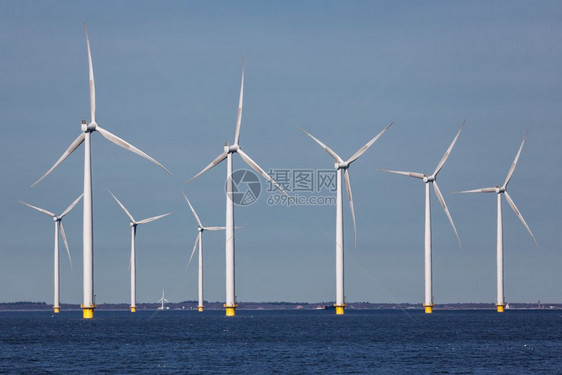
{"points": [[192, 305]]}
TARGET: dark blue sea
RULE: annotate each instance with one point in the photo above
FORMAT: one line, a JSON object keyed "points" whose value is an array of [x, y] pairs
{"points": [[282, 342]]}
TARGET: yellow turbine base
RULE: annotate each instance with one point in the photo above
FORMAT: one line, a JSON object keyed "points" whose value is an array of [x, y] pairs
{"points": [[200, 308], [428, 309], [340, 309], [56, 310], [88, 311], [230, 309], [500, 308], [133, 309]]}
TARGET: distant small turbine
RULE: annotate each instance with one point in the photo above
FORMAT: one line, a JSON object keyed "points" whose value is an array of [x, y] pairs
{"points": [[199, 240], [133, 262], [88, 302], [58, 224], [432, 179], [500, 301], [342, 167], [162, 300]]}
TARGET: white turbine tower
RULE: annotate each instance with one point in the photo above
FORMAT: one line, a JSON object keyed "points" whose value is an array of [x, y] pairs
{"points": [[342, 167], [432, 179], [58, 225], [88, 304], [500, 301], [162, 300], [199, 241], [229, 150], [133, 263]]}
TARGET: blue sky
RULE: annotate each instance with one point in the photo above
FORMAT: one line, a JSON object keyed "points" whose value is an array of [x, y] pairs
{"points": [[167, 80]]}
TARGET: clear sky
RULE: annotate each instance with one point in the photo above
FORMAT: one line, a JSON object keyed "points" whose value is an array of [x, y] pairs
{"points": [[167, 80]]}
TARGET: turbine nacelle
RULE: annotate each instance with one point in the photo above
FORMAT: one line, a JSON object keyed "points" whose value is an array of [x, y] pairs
{"points": [[427, 178], [230, 149], [500, 190], [88, 127], [200, 228], [342, 164], [132, 224]]}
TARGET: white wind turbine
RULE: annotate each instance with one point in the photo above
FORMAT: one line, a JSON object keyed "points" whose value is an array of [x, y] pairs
{"points": [[500, 302], [133, 263], [230, 304], [432, 179], [342, 167], [58, 224], [162, 300], [88, 304], [199, 241]]}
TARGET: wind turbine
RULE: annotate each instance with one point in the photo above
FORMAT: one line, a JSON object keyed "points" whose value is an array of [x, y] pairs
{"points": [[199, 240], [133, 263], [162, 300], [88, 304], [229, 150], [58, 224], [342, 167], [500, 302], [432, 180]]}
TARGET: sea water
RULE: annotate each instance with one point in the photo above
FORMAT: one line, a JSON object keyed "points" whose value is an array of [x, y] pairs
{"points": [[288, 342]]}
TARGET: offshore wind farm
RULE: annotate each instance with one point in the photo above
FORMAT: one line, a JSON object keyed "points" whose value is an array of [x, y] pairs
{"points": [[234, 196], [342, 176], [175, 80]]}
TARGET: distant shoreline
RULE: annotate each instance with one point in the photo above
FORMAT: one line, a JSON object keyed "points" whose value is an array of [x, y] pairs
{"points": [[252, 306]]}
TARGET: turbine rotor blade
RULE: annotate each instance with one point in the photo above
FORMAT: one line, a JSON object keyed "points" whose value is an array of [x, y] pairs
{"points": [[514, 164], [448, 152], [63, 235], [258, 169], [127, 146], [197, 239], [444, 205], [192, 209], [483, 190], [409, 174], [39, 209], [154, 218], [91, 75], [214, 163], [122, 206], [518, 213], [71, 206], [239, 114], [362, 150], [350, 197], [73, 146], [326, 148], [216, 228]]}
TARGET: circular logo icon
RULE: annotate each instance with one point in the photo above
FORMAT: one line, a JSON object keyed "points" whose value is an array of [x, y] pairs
{"points": [[246, 187]]}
